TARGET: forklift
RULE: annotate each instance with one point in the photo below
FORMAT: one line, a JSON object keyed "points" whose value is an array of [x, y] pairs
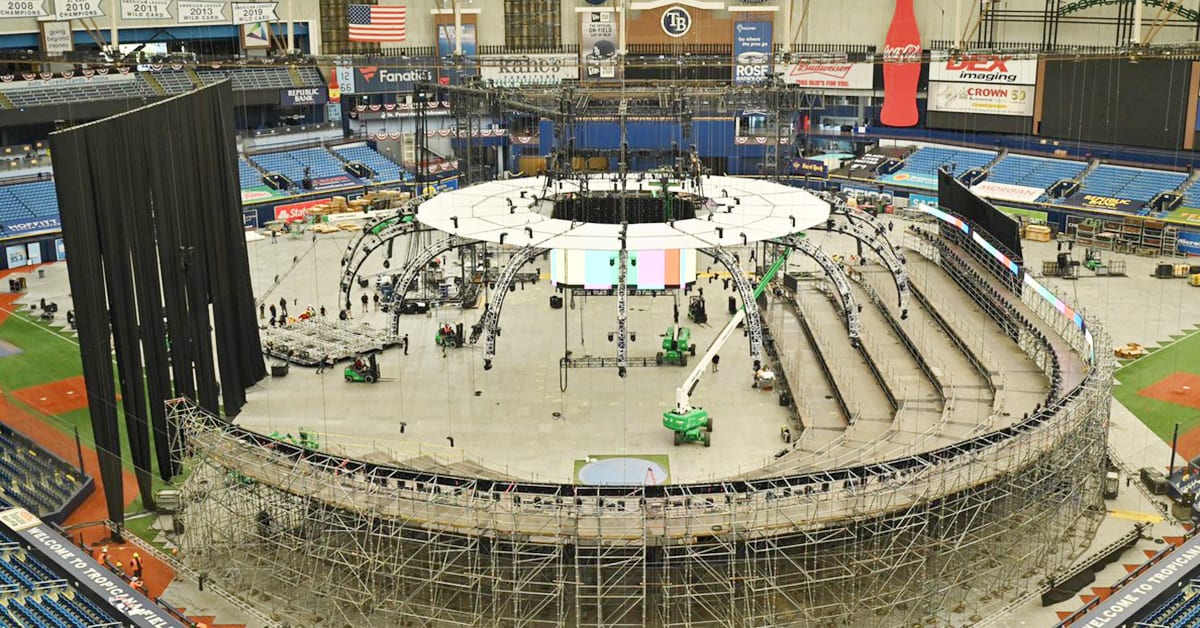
{"points": [[1093, 260], [676, 344], [696, 310], [363, 370], [449, 336]]}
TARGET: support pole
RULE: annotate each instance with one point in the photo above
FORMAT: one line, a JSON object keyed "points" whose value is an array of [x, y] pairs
{"points": [[291, 26], [1174, 443]]}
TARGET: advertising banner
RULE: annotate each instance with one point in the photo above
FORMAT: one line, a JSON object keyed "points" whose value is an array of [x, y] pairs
{"points": [[398, 76], [911, 179], [34, 252], [294, 212], [901, 68], [303, 96], [260, 193], [145, 9], [751, 52], [1110, 203], [830, 75], [597, 46], [196, 12], [77, 9], [17, 256], [869, 161], [1002, 100], [456, 71], [514, 71], [809, 168], [989, 69], [1007, 191], [56, 38], [12, 229], [336, 181], [60, 250]]}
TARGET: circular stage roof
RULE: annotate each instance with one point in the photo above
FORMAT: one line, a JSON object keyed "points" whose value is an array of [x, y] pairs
{"points": [[483, 212]]}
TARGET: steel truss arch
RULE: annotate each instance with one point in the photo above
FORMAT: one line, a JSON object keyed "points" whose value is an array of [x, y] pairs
{"points": [[746, 292], [402, 282], [836, 275], [873, 238], [488, 324], [373, 236]]}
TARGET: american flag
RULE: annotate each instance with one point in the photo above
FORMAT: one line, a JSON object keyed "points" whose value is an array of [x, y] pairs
{"points": [[376, 23]]}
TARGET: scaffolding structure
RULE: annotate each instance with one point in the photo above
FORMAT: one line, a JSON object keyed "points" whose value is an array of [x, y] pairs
{"points": [[938, 537]]}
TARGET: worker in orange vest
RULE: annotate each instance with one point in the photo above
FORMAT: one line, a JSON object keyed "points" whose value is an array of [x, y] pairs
{"points": [[135, 565]]}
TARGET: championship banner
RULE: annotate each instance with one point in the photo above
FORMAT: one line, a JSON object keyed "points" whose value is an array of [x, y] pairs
{"points": [[251, 12], [22, 8], [56, 38], [514, 71], [1110, 203], [145, 9], [1000, 100], [1007, 192], [751, 52], [77, 9], [990, 69], [193, 12], [831, 75], [597, 46]]}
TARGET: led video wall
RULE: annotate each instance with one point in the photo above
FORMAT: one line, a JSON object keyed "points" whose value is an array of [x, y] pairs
{"points": [[647, 270]]}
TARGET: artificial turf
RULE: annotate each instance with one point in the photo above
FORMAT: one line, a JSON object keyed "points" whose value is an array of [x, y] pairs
{"points": [[1181, 355]]}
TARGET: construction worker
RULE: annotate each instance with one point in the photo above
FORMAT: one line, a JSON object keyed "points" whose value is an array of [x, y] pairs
{"points": [[135, 565], [365, 300], [119, 569]]}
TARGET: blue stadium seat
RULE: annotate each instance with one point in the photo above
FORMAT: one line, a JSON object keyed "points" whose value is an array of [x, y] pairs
{"points": [[1034, 172], [928, 159], [291, 164], [1131, 183], [385, 169], [248, 177]]}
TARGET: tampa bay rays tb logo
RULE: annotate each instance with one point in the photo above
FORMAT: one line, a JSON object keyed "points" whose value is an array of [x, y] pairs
{"points": [[676, 22]]}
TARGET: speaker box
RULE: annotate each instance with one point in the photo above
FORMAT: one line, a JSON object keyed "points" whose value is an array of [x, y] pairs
{"points": [[556, 302]]}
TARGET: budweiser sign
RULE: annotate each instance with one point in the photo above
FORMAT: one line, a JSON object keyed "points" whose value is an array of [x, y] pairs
{"points": [[831, 75]]}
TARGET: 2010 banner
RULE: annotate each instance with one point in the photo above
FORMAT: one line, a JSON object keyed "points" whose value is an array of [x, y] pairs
{"points": [[200, 12], [251, 12], [145, 9], [22, 8], [78, 9]]}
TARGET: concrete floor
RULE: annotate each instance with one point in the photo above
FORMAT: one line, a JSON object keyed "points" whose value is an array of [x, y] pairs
{"points": [[603, 414]]}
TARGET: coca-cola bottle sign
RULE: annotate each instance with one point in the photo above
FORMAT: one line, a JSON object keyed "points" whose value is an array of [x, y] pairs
{"points": [[901, 68]]}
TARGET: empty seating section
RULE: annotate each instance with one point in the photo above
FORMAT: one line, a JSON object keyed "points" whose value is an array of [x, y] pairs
{"points": [[291, 164], [385, 169], [310, 76], [249, 78], [34, 480], [30, 94], [38, 197], [928, 159], [36, 596], [248, 177], [1181, 610], [1191, 197], [1131, 183], [1034, 172], [174, 81]]}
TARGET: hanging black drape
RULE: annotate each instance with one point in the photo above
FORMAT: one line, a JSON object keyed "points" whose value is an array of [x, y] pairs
{"points": [[152, 223]]}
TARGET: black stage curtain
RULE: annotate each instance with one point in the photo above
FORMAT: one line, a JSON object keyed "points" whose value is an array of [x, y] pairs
{"points": [[151, 215]]}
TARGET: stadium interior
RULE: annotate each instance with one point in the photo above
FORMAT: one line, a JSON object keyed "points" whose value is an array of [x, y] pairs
{"points": [[672, 313]]}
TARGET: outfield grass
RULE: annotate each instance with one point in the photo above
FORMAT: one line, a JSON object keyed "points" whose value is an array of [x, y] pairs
{"points": [[47, 355], [1181, 356]]}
